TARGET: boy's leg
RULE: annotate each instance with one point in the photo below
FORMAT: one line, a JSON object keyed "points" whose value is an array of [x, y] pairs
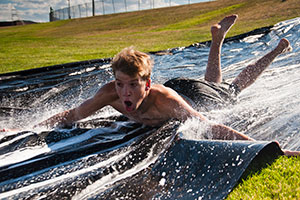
{"points": [[252, 72], [218, 31]]}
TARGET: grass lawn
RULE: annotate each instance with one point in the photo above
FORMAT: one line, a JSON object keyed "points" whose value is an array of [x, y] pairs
{"points": [[280, 180], [45, 44]]}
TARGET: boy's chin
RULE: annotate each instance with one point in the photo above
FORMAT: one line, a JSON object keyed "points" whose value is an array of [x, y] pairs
{"points": [[129, 109]]}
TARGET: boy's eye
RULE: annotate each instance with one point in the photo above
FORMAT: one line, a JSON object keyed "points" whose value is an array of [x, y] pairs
{"points": [[119, 84], [133, 84]]}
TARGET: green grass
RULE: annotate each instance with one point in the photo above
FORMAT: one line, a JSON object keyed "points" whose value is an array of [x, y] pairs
{"points": [[45, 44], [201, 19], [280, 180]]}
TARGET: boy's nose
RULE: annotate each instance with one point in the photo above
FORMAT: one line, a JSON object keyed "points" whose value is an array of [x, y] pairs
{"points": [[126, 91]]}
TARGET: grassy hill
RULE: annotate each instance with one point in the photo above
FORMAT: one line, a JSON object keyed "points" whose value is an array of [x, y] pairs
{"points": [[279, 180], [37, 45]]}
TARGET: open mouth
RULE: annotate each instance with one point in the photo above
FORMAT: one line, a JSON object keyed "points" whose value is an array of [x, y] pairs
{"points": [[128, 105]]}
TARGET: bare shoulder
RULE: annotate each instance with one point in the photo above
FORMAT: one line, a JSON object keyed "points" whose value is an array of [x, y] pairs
{"points": [[107, 92], [172, 104], [104, 96], [166, 98], [163, 92]]}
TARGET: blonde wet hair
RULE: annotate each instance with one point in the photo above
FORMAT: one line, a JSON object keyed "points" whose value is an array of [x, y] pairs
{"points": [[132, 63]]}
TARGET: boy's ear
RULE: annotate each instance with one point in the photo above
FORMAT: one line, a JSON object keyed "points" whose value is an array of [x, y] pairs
{"points": [[148, 84]]}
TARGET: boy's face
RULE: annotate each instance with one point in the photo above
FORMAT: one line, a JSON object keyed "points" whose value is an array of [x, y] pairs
{"points": [[131, 90]]}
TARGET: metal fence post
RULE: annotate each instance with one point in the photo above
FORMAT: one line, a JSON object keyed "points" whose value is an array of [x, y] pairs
{"points": [[69, 9], [93, 7], [86, 10], [125, 5], [113, 4], [103, 7]]}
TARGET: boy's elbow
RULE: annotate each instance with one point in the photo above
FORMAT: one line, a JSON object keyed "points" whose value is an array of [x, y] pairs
{"points": [[72, 115], [200, 116]]}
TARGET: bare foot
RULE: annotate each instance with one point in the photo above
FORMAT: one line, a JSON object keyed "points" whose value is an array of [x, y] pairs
{"points": [[9, 130], [291, 153], [283, 46], [218, 31]]}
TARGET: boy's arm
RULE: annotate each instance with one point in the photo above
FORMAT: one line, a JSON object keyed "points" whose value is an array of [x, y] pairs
{"points": [[180, 109], [223, 132], [105, 95], [60, 119]]}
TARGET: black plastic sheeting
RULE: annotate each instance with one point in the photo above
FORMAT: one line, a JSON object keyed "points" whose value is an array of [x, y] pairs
{"points": [[157, 164], [193, 170], [110, 158], [25, 89]]}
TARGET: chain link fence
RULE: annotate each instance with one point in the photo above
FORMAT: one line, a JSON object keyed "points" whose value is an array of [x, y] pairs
{"points": [[105, 7]]}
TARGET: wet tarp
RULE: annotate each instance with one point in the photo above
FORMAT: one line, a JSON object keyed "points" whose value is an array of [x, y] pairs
{"points": [[127, 160]]}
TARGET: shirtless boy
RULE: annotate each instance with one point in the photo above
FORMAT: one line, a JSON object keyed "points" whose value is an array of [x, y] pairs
{"points": [[132, 93]]}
